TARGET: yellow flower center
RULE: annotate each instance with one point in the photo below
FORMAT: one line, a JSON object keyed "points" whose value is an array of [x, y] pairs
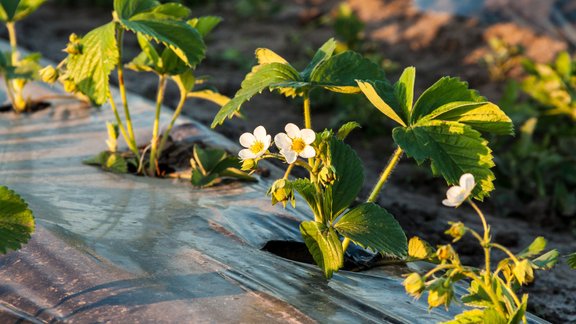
{"points": [[257, 147], [298, 145]]}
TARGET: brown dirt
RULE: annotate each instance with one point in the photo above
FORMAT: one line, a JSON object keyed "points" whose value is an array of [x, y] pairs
{"points": [[436, 43]]}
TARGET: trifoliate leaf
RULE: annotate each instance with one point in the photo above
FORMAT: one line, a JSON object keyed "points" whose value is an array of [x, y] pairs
{"points": [[261, 77], [324, 52], [349, 176], [182, 38], [125, 9], [453, 149], [339, 72], [324, 245], [16, 221], [372, 227], [444, 91], [90, 69]]}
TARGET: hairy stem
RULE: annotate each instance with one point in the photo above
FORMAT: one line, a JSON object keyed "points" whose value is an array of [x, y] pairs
{"points": [[386, 174], [175, 116], [307, 112], [485, 241], [155, 136]]}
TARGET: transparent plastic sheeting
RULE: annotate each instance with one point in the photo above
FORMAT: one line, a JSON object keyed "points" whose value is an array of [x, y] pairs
{"points": [[123, 248]]}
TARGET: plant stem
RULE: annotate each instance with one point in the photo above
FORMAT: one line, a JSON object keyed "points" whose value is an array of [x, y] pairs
{"points": [[155, 136], [13, 42], [177, 113], [14, 92], [307, 113], [122, 86], [288, 171], [131, 146], [505, 250], [485, 241], [386, 174]]}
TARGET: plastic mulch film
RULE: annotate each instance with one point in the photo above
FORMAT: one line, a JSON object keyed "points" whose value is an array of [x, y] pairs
{"points": [[122, 248]]}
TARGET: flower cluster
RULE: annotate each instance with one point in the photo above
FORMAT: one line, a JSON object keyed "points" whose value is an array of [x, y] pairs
{"points": [[294, 143]]}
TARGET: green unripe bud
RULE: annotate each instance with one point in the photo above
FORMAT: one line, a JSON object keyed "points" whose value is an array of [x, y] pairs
{"points": [[282, 191]]}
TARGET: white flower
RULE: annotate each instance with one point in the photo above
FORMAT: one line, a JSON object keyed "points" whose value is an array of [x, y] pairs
{"points": [[456, 195], [295, 142], [255, 144]]}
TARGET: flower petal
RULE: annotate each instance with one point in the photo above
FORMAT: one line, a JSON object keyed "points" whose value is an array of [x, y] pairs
{"points": [[247, 139], [308, 152], [308, 135], [266, 141], [449, 203], [260, 133], [292, 130], [246, 154], [289, 155], [282, 141], [467, 182]]}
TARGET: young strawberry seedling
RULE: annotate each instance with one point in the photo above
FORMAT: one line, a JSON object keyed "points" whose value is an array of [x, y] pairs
{"points": [[18, 71]]}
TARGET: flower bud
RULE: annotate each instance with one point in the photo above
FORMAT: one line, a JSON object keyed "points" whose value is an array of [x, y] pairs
{"points": [[440, 293], [69, 86], [414, 285], [456, 231], [49, 74], [327, 175], [74, 46], [248, 164], [446, 252], [282, 191]]}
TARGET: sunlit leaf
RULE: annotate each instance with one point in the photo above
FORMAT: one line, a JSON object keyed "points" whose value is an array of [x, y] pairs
{"points": [[535, 248], [205, 24], [380, 94], [346, 129], [546, 261]]}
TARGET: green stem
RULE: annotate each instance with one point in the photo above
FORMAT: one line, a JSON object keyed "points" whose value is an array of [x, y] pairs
{"points": [[13, 42], [131, 146], [156, 129], [122, 86], [175, 116], [386, 174], [288, 171], [14, 90], [485, 241], [505, 250], [307, 112]]}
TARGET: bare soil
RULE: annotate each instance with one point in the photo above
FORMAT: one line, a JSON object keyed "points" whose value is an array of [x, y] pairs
{"points": [[436, 42]]}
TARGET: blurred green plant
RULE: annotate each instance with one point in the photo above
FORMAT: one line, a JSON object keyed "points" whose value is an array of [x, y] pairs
{"points": [[492, 294], [211, 165], [18, 71], [501, 58], [16, 221], [541, 163]]}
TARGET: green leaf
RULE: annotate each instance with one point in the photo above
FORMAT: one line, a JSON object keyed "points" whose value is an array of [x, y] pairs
{"points": [[372, 227], [149, 50], [444, 91], [477, 296], [16, 221], [535, 248], [518, 316], [211, 165], [205, 25], [381, 95], [324, 52], [546, 261], [572, 260], [90, 70], [182, 38], [324, 245], [482, 116], [491, 316], [452, 148], [346, 129], [16, 10], [307, 190], [170, 10], [475, 316], [261, 77], [404, 90], [339, 72], [349, 176], [125, 9]]}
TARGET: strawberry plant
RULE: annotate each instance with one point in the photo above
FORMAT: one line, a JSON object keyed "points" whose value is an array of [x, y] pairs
{"points": [[18, 71], [492, 294], [16, 221], [92, 58], [443, 126]]}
